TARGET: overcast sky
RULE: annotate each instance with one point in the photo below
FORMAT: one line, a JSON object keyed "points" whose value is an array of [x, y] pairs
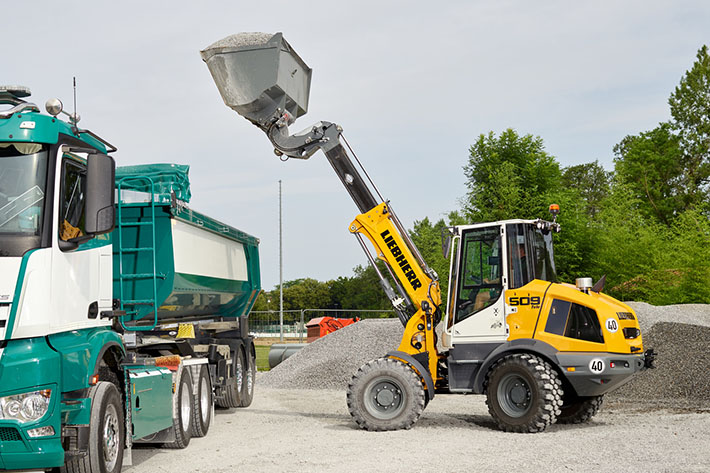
{"points": [[412, 83]]}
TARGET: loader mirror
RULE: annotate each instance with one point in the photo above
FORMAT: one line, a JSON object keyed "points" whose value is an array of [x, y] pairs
{"points": [[260, 77], [100, 197]]}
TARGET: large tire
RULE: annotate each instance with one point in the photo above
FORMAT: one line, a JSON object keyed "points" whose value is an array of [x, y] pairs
{"points": [[385, 394], [230, 395], [202, 409], [182, 419], [524, 393], [106, 433], [249, 379], [579, 410]]}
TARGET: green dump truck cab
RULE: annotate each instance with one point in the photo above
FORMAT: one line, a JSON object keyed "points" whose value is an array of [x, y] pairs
{"points": [[123, 312]]}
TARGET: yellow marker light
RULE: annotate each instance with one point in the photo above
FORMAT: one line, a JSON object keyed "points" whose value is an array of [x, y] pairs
{"points": [[93, 380], [570, 368]]}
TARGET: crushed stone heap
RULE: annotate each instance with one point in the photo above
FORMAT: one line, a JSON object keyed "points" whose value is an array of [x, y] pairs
{"points": [[679, 333]]}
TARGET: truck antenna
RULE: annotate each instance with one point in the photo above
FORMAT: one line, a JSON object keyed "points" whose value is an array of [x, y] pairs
{"points": [[75, 119]]}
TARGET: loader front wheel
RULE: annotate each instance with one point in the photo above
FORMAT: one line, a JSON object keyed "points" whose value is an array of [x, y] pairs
{"points": [[385, 394], [524, 393]]}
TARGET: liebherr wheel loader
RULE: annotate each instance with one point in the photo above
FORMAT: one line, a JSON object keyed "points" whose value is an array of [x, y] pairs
{"points": [[539, 350]]}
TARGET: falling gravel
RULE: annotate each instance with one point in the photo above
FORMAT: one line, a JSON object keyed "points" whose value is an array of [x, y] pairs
{"points": [[679, 333]]}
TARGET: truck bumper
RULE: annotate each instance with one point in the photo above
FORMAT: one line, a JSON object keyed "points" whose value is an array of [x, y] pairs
{"points": [[31, 455], [592, 374], [28, 365]]}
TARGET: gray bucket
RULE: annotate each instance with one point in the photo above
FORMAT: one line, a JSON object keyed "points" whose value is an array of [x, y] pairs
{"points": [[259, 76]]}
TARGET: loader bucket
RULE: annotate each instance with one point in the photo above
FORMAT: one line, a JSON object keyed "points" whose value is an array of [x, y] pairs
{"points": [[259, 76]]}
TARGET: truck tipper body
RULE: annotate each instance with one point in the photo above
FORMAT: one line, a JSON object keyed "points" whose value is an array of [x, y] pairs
{"points": [[123, 312]]}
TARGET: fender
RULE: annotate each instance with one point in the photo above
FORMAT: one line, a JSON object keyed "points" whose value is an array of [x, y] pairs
{"points": [[423, 372], [81, 351], [522, 345]]}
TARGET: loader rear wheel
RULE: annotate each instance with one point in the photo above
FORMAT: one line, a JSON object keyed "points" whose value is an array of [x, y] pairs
{"points": [[524, 393], [579, 410], [385, 394]]}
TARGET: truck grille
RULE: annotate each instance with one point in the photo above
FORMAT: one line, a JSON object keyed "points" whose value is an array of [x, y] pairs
{"points": [[9, 434]]}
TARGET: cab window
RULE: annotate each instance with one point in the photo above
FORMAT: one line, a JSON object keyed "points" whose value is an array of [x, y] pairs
{"points": [[480, 283], [71, 217]]}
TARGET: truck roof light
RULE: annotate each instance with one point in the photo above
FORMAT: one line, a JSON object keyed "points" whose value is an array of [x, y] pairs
{"points": [[54, 107]]}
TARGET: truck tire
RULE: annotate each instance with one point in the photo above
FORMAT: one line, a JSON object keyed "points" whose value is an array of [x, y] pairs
{"points": [[106, 433], [202, 409], [579, 410], [523, 393], [249, 378], [230, 395], [385, 394], [182, 419]]}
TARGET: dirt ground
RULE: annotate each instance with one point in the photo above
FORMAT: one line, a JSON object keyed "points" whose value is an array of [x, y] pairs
{"points": [[312, 431]]}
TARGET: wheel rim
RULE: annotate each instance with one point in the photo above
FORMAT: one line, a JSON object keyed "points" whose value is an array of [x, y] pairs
{"points": [[514, 395], [250, 377], [204, 399], [239, 374], [185, 408], [111, 437], [384, 398]]}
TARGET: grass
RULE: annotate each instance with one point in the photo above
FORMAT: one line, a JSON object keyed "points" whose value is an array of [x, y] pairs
{"points": [[262, 357]]}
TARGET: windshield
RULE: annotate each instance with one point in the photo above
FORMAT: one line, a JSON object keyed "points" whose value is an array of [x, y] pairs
{"points": [[23, 176]]}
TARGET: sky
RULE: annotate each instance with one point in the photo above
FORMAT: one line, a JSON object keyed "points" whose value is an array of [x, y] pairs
{"points": [[412, 83]]}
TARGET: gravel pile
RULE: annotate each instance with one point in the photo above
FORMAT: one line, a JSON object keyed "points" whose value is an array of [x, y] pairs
{"points": [[330, 362], [241, 40], [679, 333]]}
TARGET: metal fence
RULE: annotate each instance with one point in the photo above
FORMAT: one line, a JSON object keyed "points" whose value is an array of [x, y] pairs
{"points": [[267, 323]]}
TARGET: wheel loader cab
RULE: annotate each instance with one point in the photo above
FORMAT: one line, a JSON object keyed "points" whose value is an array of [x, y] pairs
{"points": [[486, 261]]}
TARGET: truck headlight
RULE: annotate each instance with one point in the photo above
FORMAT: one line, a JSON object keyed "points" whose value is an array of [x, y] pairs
{"points": [[25, 407]]}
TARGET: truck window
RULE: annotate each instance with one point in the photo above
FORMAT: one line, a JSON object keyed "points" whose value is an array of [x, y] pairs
{"points": [[480, 283], [71, 224]]}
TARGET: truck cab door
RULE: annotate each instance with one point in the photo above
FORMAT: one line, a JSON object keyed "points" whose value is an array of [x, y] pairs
{"points": [[476, 290]]}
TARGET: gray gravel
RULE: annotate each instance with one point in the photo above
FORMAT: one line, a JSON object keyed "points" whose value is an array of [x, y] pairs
{"points": [[240, 40], [679, 333]]}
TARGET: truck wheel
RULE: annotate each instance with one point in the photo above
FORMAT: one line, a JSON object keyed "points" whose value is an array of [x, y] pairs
{"points": [[182, 421], [385, 394], [229, 396], [524, 393], [106, 433], [202, 410], [579, 410], [249, 378]]}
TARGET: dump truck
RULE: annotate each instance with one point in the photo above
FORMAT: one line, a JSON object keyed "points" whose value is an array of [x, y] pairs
{"points": [[540, 350], [123, 312]]}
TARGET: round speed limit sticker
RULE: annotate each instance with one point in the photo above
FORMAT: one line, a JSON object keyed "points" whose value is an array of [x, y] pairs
{"points": [[612, 325], [596, 366]]}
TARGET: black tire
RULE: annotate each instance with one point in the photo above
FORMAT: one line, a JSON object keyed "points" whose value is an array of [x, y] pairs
{"points": [[579, 410], [230, 395], [524, 393], [385, 394], [106, 433], [182, 417], [249, 379], [202, 409]]}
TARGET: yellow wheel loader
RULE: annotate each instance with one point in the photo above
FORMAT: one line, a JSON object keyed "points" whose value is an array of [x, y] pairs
{"points": [[541, 351]]}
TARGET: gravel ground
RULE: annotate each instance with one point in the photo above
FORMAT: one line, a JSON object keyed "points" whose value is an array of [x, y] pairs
{"points": [[659, 422], [311, 431]]}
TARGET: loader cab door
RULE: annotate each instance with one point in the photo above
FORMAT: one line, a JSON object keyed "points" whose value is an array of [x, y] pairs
{"points": [[478, 281]]}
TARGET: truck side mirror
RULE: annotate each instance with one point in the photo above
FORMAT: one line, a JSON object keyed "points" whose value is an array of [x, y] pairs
{"points": [[100, 194]]}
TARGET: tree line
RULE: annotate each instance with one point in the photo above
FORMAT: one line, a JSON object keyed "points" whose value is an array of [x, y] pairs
{"points": [[645, 225]]}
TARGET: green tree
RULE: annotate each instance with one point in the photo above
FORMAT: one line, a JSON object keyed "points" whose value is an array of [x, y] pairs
{"points": [[508, 176], [591, 181]]}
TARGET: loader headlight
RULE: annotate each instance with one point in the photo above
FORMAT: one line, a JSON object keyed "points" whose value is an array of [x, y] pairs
{"points": [[25, 407]]}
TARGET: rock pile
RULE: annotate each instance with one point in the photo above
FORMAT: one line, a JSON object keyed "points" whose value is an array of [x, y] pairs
{"points": [[680, 334]]}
